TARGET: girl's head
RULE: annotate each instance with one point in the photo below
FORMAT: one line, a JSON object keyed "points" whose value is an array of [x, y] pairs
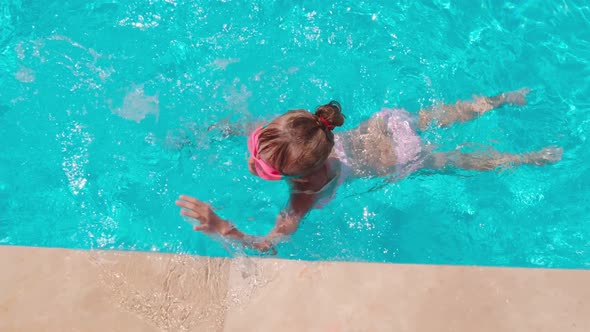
{"points": [[295, 144]]}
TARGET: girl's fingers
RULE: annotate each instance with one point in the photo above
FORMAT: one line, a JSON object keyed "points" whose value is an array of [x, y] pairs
{"points": [[192, 214], [193, 208], [188, 205], [191, 200]]}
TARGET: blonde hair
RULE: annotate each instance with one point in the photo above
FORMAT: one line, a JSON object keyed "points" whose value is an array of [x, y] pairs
{"points": [[299, 141]]}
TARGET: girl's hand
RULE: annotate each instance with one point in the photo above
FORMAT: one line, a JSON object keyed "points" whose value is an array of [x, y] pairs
{"points": [[211, 223], [265, 245]]}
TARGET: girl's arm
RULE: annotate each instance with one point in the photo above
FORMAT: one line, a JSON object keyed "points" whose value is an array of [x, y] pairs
{"points": [[287, 222], [241, 128], [237, 128]]}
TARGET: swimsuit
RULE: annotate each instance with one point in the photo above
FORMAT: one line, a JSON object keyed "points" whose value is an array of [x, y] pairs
{"points": [[407, 144], [407, 148]]}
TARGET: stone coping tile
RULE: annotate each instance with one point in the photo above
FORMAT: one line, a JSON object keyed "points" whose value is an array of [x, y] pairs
{"points": [[45, 289]]}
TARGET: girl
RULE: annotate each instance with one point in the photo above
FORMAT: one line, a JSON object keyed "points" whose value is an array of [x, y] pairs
{"points": [[300, 148]]}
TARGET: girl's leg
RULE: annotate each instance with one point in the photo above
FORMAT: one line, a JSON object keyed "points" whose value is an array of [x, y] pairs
{"points": [[446, 115], [492, 159]]}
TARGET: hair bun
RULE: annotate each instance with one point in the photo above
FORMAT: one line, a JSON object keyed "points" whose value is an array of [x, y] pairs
{"points": [[332, 113]]}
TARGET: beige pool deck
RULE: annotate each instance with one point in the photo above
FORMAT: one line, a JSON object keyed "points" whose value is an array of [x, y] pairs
{"points": [[67, 290]]}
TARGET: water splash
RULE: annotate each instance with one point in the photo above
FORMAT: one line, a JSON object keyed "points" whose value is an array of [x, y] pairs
{"points": [[137, 105]]}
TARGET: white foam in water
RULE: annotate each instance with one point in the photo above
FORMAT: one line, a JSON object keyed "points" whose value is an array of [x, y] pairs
{"points": [[74, 147], [25, 75], [137, 105]]}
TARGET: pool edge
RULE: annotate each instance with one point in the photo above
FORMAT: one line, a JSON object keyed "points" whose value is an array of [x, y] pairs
{"points": [[60, 289]]}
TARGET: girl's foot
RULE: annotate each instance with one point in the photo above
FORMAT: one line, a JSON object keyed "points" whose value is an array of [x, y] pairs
{"points": [[544, 156], [517, 97]]}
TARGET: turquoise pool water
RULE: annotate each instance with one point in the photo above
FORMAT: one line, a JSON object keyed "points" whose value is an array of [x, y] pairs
{"points": [[104, 107]]}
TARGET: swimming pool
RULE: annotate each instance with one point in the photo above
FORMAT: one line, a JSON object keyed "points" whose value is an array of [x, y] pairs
{"points": [[105, 105]]}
